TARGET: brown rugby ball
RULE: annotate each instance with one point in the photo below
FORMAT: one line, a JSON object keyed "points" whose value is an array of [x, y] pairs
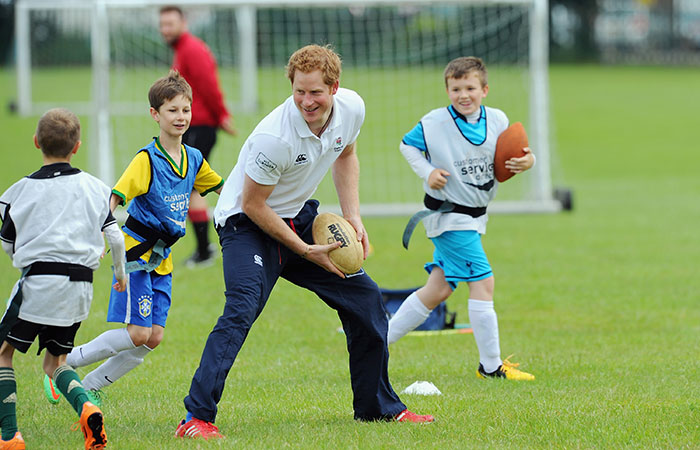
{"points": [[509, 145], [328, 228]]}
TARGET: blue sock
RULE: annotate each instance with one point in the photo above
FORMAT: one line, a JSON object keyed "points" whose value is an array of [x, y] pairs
{"points": [[188, 417]]}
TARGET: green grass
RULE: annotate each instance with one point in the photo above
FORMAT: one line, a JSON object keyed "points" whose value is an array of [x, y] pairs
{"points": [[600, 303]]}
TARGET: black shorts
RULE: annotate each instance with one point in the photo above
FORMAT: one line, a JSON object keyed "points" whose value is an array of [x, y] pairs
{"points": [[56, 340], [202, 138]]}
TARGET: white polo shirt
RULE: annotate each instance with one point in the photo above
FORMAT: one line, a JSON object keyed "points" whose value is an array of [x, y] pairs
{"points": [[282, 151]]}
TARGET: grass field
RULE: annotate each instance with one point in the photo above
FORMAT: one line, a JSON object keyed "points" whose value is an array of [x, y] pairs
{"points": [[601, 304]]}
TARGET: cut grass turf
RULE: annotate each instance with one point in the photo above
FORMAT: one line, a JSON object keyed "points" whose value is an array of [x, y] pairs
{"points": [[601, 304]]}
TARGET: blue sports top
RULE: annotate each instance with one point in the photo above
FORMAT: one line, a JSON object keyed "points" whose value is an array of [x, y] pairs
{"points": [[475, 133], [164, 207], [159, 192]]}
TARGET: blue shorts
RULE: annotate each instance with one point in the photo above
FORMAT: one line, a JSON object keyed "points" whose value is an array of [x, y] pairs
{"points": [[145, 302], [460, 255]]}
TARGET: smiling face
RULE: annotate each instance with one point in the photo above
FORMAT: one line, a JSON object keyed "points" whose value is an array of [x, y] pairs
{"points": [[313, 98], [466, 93], [174, 116]]}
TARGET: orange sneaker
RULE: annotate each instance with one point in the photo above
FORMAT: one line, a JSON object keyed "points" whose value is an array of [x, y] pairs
{"points": [[196, 428], [92, 425], [408, 416], [16, 443]]}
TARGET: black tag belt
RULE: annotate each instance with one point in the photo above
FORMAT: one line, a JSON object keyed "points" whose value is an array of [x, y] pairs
{"points": [[435, 205], [75, 272], [150, 235]]}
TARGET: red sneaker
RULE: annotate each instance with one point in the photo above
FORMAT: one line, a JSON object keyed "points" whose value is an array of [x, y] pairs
{"points": [[196, 428], [408, 416]]}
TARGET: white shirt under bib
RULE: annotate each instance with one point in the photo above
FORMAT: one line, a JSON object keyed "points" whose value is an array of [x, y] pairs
{"points": [[472, 181], [282, 151]]}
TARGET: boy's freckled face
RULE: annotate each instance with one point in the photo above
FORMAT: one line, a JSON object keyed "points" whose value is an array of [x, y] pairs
{"points": [[174, 116], [466, 93]]}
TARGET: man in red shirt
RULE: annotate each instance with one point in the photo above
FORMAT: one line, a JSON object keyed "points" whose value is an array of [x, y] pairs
{"points": [[197, 65]]}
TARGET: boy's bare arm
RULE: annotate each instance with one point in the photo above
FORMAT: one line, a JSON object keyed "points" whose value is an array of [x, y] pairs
{"points": [[438, 178], [519, 165], [114, 201]]}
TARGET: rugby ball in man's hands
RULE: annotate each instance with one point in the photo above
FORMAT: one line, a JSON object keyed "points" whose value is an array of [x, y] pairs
{"points": [[328, 228], [509, 145]]}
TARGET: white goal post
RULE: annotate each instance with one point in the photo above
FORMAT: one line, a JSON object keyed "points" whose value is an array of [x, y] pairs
{"points": [[393, 52]]}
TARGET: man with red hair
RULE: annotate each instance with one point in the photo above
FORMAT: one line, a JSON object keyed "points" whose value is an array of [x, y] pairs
{"points": [[264, 219]]}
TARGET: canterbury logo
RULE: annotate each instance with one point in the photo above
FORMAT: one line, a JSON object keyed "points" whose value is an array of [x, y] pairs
{"points": [[12, 398], [301, 159], [73, 384]]}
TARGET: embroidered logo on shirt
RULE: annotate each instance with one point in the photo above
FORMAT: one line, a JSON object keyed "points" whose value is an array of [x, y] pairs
{"points": [[265, 163], [257, 259], [301, 159], [338, 144], [145, 306]]}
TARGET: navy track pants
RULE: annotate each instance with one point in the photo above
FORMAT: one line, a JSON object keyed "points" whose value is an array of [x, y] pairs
{"points": [[252, 263]]}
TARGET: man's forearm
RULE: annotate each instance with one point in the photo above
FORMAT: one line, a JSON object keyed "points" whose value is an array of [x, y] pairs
{"points": [[346, 177], [275, 227]]}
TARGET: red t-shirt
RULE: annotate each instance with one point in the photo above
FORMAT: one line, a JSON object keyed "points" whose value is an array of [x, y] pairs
{"points": [[197, 65]]}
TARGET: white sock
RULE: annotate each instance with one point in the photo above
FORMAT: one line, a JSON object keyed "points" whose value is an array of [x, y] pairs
{"points": [[484, 322], [115, 367], [102, 347], [411, 314]]}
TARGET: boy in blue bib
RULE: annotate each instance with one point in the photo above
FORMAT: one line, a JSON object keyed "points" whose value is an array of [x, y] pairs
{"points": [[157, 184]]}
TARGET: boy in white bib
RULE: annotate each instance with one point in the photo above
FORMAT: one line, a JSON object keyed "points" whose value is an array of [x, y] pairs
{"points": [[452, 149], [52, 225]]}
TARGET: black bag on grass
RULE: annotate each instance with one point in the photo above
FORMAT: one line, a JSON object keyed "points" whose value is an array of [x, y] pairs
{"points": [[439, 318]]}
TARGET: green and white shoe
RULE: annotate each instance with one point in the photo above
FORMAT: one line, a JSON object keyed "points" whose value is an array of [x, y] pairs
{"points": [[96, 396]]}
